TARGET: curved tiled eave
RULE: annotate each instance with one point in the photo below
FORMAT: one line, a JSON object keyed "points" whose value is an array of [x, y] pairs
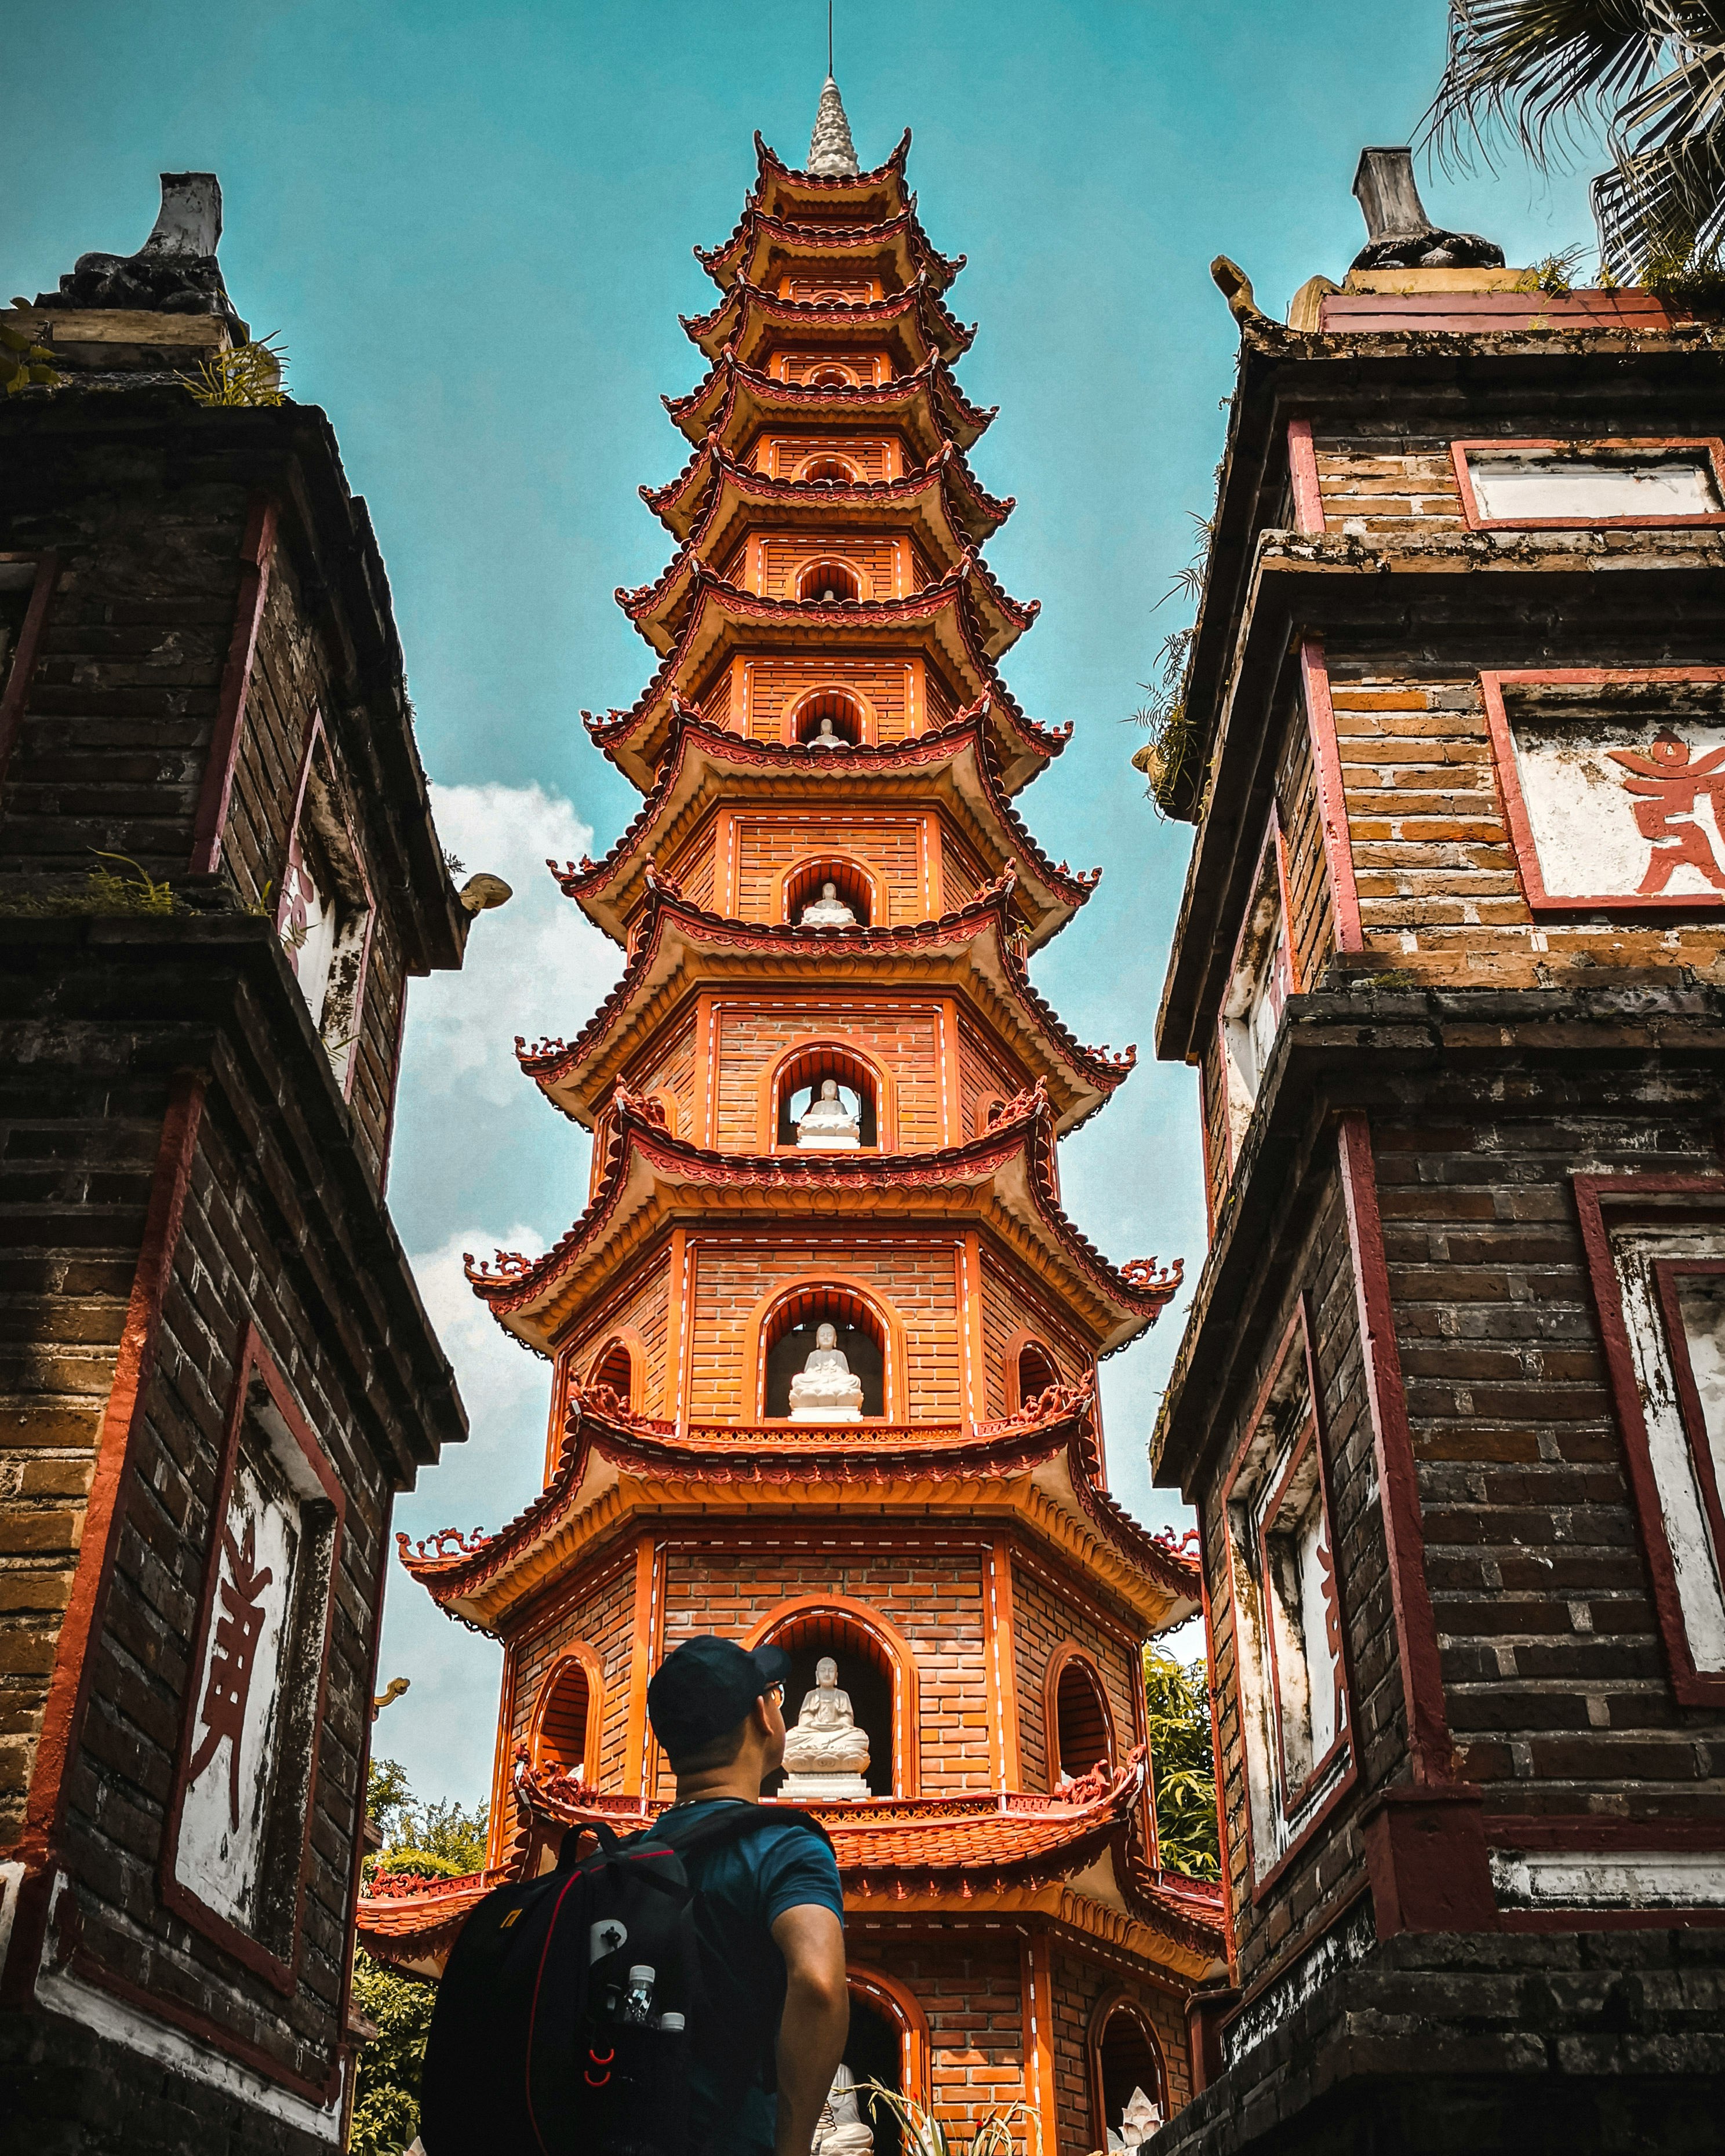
{"points": [[912, 324], [939, 621], [680, 948], [734, 402], [1002, 1183], [706, 503], [1038, 1468], [784, 192], [762, 244], [953, 765], [659, 609]]}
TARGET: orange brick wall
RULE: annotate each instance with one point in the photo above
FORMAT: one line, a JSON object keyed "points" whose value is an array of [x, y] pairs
{"points": [[1079, 1984], [984, 1068], [874, 456], [643, 1305], [1045, 1613], [775, 681], [602, 1617], [915, 1273], [930, 1589], [892, 846], [1012, 1304], [905, 1038], [670, 1067], [962, 874], [877, 559], [969, 1985]]}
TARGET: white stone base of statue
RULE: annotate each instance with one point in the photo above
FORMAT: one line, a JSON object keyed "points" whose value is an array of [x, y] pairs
{"points": [[822, 1789], [820, 1414], [809, 1140]]}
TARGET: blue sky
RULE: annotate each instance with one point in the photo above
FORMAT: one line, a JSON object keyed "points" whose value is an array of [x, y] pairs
{"points": [[472, 226]]}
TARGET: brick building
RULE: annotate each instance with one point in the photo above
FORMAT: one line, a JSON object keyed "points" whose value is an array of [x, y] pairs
{"points": [[1449, 964], [827, 731], [214, 1368]]}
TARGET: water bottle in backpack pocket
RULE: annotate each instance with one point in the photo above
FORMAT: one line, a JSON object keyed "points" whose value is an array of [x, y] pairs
{"points": [[564, 2017]]}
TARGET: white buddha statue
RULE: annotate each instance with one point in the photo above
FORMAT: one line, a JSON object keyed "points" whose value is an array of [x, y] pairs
{"points": [[829, 910], [825, 1389], [841, 2130], [826, 1755], [826, 738], [826, 1124]]}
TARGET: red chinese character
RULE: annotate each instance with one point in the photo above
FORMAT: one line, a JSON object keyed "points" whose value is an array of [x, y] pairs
{"points": [[223, 1713], [1670, 785]]}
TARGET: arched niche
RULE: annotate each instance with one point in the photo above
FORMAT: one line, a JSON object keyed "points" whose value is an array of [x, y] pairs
{"points": [[564, 1732], [853, 716], [1125, 2053], [619, 1363], [829, 578], [855, 884], [872, 1343], [788, 1086], [1078, 1723], [869, 1648], [895, 2036], [830, 375], [982, 1115], [825, 465], [1028, 1368]]}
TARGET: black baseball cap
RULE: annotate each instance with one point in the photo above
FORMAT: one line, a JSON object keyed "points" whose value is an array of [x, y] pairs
{"points": [[706, 1686]]}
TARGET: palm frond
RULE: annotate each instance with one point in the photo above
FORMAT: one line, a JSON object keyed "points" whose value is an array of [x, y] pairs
{"points": [[1531, 69]]}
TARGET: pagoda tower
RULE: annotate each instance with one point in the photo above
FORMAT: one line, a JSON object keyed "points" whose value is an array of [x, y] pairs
{"points": [[824, 1093]]}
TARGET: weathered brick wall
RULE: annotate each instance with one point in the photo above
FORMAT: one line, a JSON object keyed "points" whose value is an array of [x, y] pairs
{"points": [[930, 1587], [1387, 484], [1332, 1860], [1311, 910], [915, 1273], [904, 1038], [1555, 1674], [110, 753], [1046, 1613]]}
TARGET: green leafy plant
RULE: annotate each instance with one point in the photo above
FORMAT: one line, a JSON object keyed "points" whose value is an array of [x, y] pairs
{"points": [[1687, 277], [1553, 273], [925, 2135], [386, 2101], [1182, 1763], [105, 892], [244, 374], [24, 365]]}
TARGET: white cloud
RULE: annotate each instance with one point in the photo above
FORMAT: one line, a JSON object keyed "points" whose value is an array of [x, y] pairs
{"points": [[533, 967]]}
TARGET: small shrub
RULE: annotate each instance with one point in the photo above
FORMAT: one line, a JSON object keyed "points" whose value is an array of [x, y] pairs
{"points": [[244, 374]]}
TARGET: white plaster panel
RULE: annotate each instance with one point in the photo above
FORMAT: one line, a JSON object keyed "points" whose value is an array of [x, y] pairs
{"points": [[1606, 828], [1700, 1589], [1573, 1879], [1522, 487]]}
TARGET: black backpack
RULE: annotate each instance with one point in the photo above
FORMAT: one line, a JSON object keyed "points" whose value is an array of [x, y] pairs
{"points": [[544, 2040]]}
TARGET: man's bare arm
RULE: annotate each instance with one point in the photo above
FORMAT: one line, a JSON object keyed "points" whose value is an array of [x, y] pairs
{"points": [[815, 2022]]}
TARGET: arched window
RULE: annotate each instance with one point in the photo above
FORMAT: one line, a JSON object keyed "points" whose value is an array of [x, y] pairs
{"points": [[1080, 1729], [829, 375], [829, 468], [987, 1108], [874, 2051], [615, 1367], [875, 1668], [799, 1081], [1125, 2058], [851, 882], [828, 581], [837, 706], [790, 1336], [1035, 1372], [567, 1713]]}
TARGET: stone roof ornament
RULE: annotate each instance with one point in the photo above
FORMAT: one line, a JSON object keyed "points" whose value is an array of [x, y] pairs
{"points": [[1399, 234], [174, 272], [832, 155]]}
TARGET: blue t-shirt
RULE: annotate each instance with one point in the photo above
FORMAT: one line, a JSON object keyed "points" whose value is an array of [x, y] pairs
{"points": [[743, 1887]]}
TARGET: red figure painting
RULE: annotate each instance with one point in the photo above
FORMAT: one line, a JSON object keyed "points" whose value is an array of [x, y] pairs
{"points": [[1668, 781], [237, 1627]]}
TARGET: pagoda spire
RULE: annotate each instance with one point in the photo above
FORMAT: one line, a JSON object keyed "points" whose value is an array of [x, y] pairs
{"points": [[831, 152]]}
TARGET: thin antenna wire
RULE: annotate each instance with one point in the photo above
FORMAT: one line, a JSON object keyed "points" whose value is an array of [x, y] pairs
{"points": [[829, 37]]}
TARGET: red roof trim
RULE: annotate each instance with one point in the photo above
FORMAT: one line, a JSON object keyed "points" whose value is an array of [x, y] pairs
{"points": [[934, 373], [555, 1059], [711, 461], [830, 239], [919, 298]]}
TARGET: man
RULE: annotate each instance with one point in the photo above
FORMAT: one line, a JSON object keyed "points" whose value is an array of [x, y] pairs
{"points": [[769, 1910]]}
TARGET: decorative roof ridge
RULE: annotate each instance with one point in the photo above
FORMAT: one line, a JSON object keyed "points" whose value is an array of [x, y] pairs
{"points": [[755, 218], [768, 159], [606, 729], [578, 880], [452, 1562], [947, 466], [553, 1059], [1019, 614], [510, 1279], [914, 297], [935, 371]]}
